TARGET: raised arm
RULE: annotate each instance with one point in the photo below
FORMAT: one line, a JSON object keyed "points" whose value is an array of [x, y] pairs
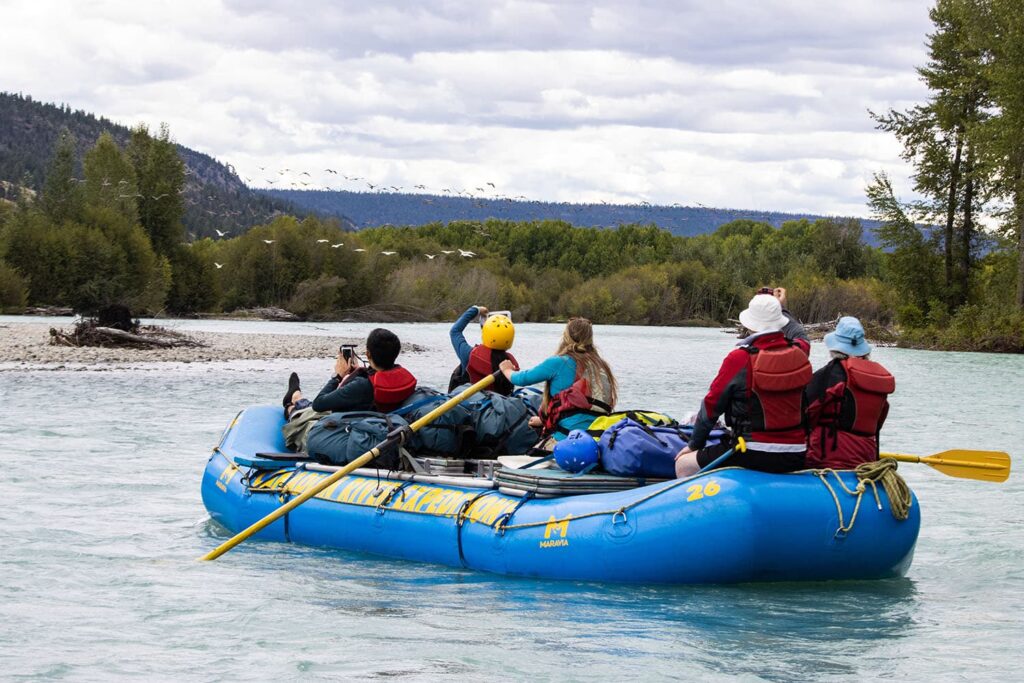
{"points": [[456, 333]]}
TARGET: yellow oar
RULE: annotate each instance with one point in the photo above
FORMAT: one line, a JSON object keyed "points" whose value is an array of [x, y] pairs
{"points": [[363, 459], [981, 465]]}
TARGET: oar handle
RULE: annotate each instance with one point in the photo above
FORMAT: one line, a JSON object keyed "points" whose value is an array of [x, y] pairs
{"points": [[392, 439]]}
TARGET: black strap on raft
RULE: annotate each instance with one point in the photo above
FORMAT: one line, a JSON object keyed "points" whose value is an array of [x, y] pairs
{"points": [[502, 521], [460, 519]]}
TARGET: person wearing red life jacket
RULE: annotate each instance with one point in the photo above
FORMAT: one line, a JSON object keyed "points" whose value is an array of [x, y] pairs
{"points": [[759, 389], [847, 401], [476, 362], [578, 383], [382, 387]]}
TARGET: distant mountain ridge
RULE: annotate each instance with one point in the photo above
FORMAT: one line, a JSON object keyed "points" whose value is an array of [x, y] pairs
{"points": [[370, 209], [215, 197]]}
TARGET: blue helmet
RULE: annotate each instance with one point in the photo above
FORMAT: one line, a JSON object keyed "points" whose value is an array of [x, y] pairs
{"points": [[576, 452]]}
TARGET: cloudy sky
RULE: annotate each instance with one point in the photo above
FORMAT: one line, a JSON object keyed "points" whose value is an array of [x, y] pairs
{"points": [[734, 103]]}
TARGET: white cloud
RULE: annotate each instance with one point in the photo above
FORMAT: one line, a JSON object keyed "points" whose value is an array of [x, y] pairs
{"points": [[735, 104]]}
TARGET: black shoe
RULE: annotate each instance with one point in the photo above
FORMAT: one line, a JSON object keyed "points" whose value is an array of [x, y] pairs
{"points": [[293, 386]]}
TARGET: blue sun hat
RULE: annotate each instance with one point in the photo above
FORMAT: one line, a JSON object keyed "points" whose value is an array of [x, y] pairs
{"points": [[848, 338]]}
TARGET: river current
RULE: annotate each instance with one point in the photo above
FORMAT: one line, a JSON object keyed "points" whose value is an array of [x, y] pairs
{"points": [[101, 522]]}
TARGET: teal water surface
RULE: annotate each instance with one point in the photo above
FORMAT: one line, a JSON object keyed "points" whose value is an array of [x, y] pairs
{"points": [[102, 520]]}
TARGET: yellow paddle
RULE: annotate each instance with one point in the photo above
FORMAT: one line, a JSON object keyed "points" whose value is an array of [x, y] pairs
{"points": [[981, 465], [363, 459]]}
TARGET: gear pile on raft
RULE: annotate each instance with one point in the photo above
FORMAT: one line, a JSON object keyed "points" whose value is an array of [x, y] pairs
{"points": [[538, 472]]}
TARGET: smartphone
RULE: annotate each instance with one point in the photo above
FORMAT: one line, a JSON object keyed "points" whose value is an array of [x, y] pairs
{"points": [[346, 352], [766, 290], [481, 319]]}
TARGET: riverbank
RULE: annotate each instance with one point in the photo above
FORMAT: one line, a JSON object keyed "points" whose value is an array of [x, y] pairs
{"points": [[28, 345]]}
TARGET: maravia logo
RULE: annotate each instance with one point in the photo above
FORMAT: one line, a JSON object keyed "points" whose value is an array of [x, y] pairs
{"points": [[556, 527]]}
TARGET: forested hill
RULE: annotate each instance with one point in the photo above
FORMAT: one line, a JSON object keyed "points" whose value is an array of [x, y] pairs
{"points": [[367, 209], [215, 197]]}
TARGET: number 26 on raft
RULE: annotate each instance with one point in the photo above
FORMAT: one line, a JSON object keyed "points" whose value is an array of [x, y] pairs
{"points": [[698, 491]]}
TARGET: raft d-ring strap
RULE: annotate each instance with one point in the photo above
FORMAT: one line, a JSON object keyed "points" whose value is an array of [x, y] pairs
{"points": [[499, 525], [399, 490], [621, 511], [282, 493], [460, 518]]}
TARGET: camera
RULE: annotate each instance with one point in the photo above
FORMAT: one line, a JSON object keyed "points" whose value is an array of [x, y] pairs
{"points": [[347, 351], [766, 290]]}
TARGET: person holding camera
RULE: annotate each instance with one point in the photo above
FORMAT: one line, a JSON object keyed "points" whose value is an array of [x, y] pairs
{"points": [[476, 362], [382, 387], [794, 329]]}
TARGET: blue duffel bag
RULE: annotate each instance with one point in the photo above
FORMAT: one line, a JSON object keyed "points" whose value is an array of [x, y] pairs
{"points": [[632, 449], [340, 438]]}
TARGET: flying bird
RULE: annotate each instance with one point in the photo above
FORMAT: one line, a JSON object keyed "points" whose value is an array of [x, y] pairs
{"points": [[358, 250], [389, 253], [445, 251], [158, 197], [466, 254], [269, 241], [304, 173], [219, 265], [322, 241], [491, 184], [219, 233], [335, 246], [431, 256], [331, 170]]}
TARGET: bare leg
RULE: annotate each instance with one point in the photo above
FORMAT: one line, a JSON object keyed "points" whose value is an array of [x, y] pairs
{"points": [[686, 465]]}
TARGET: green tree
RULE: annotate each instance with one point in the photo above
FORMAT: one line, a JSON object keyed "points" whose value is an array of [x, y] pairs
{"points": [[160, 176], [62, 196], [941, 137], [110, 178], [1005, 131], [912, 260]]}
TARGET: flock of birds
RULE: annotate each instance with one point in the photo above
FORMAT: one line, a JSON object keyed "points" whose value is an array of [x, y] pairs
{"points": [[464, 253]]}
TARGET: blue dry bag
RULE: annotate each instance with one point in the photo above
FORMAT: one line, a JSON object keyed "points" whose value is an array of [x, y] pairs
{"points": [[632, 449]]}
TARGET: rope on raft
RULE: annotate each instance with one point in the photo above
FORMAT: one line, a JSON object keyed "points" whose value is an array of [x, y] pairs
{"points": [[871, 474]]}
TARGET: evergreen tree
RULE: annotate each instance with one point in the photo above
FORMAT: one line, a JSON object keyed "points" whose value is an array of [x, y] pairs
{"points": [[1005, 131], [110, 178], [160, 175], [62, 196], [913, 261], [940, 138]]}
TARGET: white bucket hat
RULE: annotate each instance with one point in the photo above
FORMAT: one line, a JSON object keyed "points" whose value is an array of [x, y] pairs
{"points": [[763, 314]]}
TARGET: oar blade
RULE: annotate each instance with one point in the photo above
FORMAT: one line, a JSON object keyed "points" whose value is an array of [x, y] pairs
{"points": [[981, 465]]}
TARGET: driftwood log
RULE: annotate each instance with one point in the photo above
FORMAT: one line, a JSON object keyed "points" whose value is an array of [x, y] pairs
{"points": [[87, 333]]}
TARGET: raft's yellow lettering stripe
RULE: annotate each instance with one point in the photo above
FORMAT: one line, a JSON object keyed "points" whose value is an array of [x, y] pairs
{"points": [[416, 498]]}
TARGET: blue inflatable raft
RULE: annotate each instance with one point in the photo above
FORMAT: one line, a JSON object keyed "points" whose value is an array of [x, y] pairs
{"points": [[725, 526]]}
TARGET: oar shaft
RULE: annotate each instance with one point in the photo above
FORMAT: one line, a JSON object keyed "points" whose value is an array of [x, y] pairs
{"points": [[936, 460], [363, 459]]}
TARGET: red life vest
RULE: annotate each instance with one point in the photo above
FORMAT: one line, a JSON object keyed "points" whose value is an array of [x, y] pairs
{"points": [[572, 401], [868, 386], [777, 381], [392, 387], [483, 361]]}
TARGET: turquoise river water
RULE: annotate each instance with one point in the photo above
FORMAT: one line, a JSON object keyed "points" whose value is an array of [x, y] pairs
{"points": [[101, 523]]}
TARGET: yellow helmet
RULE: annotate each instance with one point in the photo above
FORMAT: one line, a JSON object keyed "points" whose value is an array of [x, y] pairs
{"points": [[498, 333]]}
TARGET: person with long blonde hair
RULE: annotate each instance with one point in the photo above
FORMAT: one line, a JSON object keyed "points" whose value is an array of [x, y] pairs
{"points": [[578, 383]]}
